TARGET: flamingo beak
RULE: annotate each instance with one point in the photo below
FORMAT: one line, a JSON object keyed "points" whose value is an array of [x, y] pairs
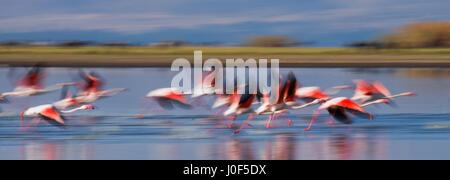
{"points": [[90, 106], [412, 94]]}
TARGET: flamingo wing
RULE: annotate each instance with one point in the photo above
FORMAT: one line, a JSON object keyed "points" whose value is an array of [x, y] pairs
{"points": [[52, 114], [339, 114], [354, 108], [290, 88], [311, 93], [364, 87], [168, 93], [348, 104], [32, 78], [246, 100], [381, 88], [177, 97], [165, 103]]}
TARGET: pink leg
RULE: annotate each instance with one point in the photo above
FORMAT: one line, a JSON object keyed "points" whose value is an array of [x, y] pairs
{"points": [[316, 114], [245, 124], [32, 125], [149, 106], [221, 110], [195, 99], [200, 103], [288, 120], [233, 118], [331, 121], [268, 121]]}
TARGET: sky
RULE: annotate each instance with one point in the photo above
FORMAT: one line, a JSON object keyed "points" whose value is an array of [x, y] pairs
{"points": [[324, 22]]}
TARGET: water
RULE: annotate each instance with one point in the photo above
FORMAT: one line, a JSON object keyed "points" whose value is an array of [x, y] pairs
{"points": [[417, 128]]}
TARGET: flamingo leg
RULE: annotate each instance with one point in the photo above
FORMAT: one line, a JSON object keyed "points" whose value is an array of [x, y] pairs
{"points": [[217, 126], [149, 106], [316, 114], [331, 121], [197, 101], [288, 121], [22, 120], [32, 125], [268, 121], [275, 117], [245, 124], [221, 110], [232, 118]]}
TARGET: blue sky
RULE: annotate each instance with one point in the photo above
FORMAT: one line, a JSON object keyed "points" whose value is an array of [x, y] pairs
{"points": [[325, 22]]}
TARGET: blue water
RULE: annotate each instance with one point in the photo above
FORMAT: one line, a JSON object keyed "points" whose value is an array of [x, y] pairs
{"points": [[417, 128]]}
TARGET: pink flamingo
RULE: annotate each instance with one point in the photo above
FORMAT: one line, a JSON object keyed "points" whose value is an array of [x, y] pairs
{"points": [[241, 105], [285, 100], [338, 107], [89, 91], [49, 113], [207, 87], [31, 85], [167, 97], [367, 91], [309, 94]]}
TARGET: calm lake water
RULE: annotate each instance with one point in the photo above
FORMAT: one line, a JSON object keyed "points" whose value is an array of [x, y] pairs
{"points": [[416, 128]]}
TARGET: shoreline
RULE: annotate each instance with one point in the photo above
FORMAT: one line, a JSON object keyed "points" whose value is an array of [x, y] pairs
{"points": [[98, 56], [127, 60]]}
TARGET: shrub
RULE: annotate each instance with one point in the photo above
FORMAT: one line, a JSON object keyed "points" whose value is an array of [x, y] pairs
{"points": [[271, 41], [419, 35]]}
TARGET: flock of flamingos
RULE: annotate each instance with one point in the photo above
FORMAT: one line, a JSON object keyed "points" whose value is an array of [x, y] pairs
{"points": [[290, 97]]}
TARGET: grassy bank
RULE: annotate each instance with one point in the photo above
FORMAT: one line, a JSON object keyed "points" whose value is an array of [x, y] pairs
{"points": [[163, 57], [211, 50]]}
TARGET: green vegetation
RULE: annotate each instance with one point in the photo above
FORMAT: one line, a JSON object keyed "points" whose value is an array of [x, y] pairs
{"points": [[271, 41], [212, 50], [419, 35]]}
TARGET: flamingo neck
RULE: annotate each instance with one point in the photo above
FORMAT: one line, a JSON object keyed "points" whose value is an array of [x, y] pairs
{"points": [[370, 103], [73, 110], [375, 102], [399, 95], [317, 101]]}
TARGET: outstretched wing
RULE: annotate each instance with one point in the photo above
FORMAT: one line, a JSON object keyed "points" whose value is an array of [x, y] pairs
{"points": [[382, 89], [52, 114]]}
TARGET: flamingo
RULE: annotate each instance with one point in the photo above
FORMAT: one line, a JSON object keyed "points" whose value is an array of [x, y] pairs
{"points": [[286, 100], [309, 94], [338, 107], [167, 97], [94, 96], [222, 101], [241, 105], [31, 85], [207, 87], [367, 91], [67, 102], [49, 113], [91, 83], [90, 90], [70, 101]]}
